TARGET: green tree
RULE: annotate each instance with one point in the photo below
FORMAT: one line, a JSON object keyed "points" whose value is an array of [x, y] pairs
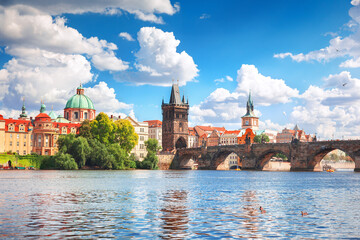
{"points": [[151, 160], [102, 128], [79, 150], [99, 155], [262, 137], [65, 142], [85, 129], [120, 156], [152, 145], [124, 134], [65, 161]]}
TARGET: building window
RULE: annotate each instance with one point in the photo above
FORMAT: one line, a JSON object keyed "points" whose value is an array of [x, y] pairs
{"points": [[177, 115], [246, 122], [141, 155], [17, 144], [17, 136], [24, 152], [67, 115], [10, 143], [85, 115], [24, 144], [17, 151], [10, 135], [141, 146], [24, 136], [141, 129], [76, 115]]}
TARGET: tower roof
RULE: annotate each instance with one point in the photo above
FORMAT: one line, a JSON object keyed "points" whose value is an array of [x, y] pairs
{"points": [[249, 107], [175, 95], [80, 100], [23, 113], [296, 128], [42, 108]]}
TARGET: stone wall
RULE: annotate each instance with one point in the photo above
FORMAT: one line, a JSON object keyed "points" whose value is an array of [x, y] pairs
{"points": [[165, 160]]}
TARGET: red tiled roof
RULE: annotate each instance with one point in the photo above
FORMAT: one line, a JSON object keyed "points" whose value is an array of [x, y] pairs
{"points": [[43, 117], [154, 123], [209, 128], [17, 123], [236, 132]]}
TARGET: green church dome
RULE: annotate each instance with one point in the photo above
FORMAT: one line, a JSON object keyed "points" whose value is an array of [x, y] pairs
{"points": [[79, 100]]}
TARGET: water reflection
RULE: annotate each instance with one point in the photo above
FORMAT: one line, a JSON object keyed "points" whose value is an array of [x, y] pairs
{"points": [[174, 215], [178, 205], [250, 211]]}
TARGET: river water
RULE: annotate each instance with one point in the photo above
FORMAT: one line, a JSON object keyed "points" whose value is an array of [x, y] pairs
{"points": [[178, 204]]}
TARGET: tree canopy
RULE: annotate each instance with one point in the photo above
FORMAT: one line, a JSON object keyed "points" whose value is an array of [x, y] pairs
{"points": [[261, 138]]}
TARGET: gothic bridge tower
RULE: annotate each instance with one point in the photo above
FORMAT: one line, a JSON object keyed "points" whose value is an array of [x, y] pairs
{"points": [[175, 121]]}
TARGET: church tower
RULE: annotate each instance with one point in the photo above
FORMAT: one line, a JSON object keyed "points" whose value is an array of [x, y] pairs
{"points": [[249, 120], [175, 121]]}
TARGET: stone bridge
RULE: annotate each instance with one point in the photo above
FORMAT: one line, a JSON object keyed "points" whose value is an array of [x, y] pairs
{"points": [[303, 156]]}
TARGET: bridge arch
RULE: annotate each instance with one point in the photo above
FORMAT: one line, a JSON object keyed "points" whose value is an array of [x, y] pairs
{"points": [[220, 157], [180, 143], [266, 156], [315, 159]]}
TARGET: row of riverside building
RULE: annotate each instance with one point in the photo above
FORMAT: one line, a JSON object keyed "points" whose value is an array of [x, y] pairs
{"points": [[27, 135]]}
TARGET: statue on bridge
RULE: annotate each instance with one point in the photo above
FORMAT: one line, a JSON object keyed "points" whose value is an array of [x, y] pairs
{"points": [[247, 139]]}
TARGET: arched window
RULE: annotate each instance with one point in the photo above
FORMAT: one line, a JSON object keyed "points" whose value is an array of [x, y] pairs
{"points": [[85, 115]]}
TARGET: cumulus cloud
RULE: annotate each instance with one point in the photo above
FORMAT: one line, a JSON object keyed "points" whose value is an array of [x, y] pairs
{"points": [[225, 107], [249, 78], [49, 60], [104, 98], [331, 110], [40, 74], [158, 62], [24, 28], [339, 46], [143, 9], [126, 36]]}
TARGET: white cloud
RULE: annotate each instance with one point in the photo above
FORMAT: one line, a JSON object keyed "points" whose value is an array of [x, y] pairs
{"points": [[204, 16], [265, 90], [104, 98], [331, 111], [158, 62], [229, 78], [108, 61], [144, 10], [39, 74], [126, 36], [24, 28], [225, 107], [221, 80], [348, 46]]}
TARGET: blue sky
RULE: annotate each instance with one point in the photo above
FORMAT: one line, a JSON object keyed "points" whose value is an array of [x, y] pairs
{"points": [[293, 55]]}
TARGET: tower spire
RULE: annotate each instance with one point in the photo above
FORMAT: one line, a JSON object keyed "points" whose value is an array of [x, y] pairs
{"points": [[23, 113]]}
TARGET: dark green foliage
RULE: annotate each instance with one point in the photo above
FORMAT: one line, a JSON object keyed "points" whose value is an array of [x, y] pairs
{"points": [[261, 138], [281, 155], [151, 160], [65, 162], [77, 147], [85, 129], [152, 145], [80, 150], [47, 162]]}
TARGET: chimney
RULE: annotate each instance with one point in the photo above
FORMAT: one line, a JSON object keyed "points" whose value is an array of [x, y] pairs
{"points": [[112, 116], [119, 117]]}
